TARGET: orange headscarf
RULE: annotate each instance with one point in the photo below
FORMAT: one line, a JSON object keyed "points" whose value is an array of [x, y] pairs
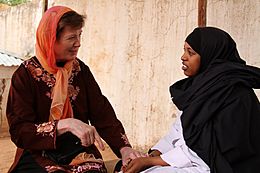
{"points": [[45, 39]]}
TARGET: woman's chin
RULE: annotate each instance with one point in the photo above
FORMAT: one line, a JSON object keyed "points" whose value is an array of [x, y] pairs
{"points": [[71, 57], [187, 74]]}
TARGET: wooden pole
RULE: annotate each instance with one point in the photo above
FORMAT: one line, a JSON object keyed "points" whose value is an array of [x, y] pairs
{"points": [[202, 13], [45, 5]]}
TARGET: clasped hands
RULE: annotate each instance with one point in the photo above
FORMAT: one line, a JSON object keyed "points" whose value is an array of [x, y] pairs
{"points": [[143, 162]]}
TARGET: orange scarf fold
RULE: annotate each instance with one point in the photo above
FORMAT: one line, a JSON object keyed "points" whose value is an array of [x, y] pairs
{"points": [[45, 39]]}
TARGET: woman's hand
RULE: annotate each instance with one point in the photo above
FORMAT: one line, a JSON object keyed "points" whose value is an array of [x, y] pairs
{"points": [[86, 133], [129, 153], [155, 153], [138, 165], [142, 163]]}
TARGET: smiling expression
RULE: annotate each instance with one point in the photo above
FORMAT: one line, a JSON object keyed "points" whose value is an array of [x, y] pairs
{"points": [[190, 61], [67, 45]]}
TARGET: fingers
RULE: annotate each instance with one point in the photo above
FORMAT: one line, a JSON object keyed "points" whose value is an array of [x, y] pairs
{"points": [[99, 141], [126, 160], [92, 136], [133, 155], [136, 154], [133, 167], [89, 134], [86, 133], [87, 138], [127, 167], [129, 153]]}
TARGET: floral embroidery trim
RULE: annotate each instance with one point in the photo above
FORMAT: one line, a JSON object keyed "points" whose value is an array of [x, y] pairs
{"points": [[46, 129], [51, 169], [87, 166], [40, 74], [125, 139], [73, 91], [75, 69]]}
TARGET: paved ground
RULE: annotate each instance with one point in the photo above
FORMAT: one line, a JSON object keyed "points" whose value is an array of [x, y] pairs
{"points": [[8, 150], [6, 154]]}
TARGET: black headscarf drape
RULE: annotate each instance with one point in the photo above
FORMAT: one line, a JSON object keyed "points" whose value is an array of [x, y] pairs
{"points": [[215, 125]]}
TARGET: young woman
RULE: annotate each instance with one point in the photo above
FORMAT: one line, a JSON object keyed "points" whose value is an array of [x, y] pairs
{"points": [[218, 130]]}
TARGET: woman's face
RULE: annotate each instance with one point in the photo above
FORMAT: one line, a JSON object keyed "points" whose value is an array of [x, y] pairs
{"points": [[67, 45], [190, 60]]}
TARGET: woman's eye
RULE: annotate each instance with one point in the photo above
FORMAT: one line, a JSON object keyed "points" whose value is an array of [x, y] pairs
{"points": [[191, 53]]}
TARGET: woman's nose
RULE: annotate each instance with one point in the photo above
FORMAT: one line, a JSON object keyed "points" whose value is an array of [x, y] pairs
{"points": [[77, 42], [183, 57]]}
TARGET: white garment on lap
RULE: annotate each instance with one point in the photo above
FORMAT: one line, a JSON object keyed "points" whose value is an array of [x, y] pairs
{"points": [[177, 154], [170, 169]]}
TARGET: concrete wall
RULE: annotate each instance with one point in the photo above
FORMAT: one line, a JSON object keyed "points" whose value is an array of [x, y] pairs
{"points": [[133, 49], [242, 20], [17, 37], [18, 26]]}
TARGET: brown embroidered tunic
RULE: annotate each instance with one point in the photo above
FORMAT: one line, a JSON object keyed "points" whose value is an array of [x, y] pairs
{"points": [[29, 105]]}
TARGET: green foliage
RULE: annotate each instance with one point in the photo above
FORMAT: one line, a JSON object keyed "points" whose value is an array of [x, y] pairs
{"points": [[12, 2]]}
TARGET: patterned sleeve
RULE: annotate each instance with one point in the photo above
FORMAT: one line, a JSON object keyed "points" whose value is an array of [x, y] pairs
{"points": [[27, 129]]}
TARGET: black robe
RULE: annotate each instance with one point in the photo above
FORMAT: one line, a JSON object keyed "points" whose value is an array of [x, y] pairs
{"points": [[221, 113]]}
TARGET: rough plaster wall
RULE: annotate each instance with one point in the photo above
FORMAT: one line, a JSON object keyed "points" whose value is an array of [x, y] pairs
{"points": [[134, 48], [242, 20], [18, 27]]}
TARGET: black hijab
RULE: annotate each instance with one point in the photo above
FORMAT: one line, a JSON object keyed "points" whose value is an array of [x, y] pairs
{"points": [[209, 105]]}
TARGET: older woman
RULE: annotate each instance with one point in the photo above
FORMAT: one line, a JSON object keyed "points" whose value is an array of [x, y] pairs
{"points": [[52, 101], [218, 130]]}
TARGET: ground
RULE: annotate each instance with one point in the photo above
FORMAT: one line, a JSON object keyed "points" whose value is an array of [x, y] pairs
{"points": [[8, 151], [6, 154]]}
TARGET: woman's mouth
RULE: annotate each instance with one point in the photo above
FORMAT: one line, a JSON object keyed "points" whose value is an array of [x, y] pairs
{"points": [[184, 67], [74, 51]]}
